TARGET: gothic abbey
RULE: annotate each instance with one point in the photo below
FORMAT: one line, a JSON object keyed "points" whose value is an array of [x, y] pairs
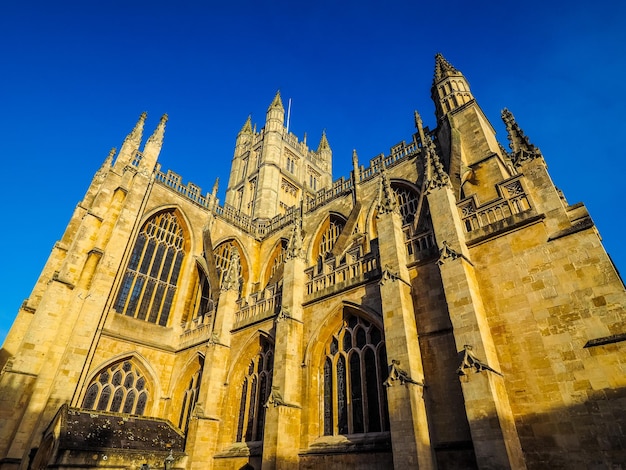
{"points": [[444, 307]]}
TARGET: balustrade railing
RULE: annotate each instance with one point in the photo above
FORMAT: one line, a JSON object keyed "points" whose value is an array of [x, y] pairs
{"points": [[513, 200], [258, 306], [420, 246], [343, 276]]}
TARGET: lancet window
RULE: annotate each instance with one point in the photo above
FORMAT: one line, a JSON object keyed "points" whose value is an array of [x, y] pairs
{"points": [[275, 268], [190, 397], [203, 305], [121, 388], [255, 392], [150, 280], [353, 373]]}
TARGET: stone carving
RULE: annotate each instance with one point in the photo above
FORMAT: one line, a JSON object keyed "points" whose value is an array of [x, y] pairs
{"points": [[470, 361], [387, 197], [395, 373], [276, 399], [231, 279], [519, 143], [389, 275], [436, 176], [446, 252], [283, 314], [294, 247]]}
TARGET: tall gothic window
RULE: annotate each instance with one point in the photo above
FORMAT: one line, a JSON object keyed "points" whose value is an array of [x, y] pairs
{"points": [[223, 254], [121, 388], [353, 375], [254, 394], [190, 397], [149, 284]]}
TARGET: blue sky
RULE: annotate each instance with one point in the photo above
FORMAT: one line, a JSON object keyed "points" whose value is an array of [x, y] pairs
{"points": [[76, 76]]}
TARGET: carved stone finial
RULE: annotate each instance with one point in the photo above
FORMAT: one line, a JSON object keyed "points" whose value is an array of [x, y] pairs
{"points": [[247, 127], [471, 362], [283, 314], [436, 176], [137, 132], [522, 149], [387, 198], [395, 373], [231, 279], [215, 187], [159, 132]]}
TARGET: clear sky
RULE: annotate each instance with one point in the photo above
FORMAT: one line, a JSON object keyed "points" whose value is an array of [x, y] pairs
{"points": [[76, 76]]}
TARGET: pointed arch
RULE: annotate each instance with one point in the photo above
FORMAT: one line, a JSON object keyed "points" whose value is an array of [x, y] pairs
{"points": [[150, 282], [347, 360], [223, 253], [326, 235], [186, 390], [124, 384], [273, 271], [251, 376]]}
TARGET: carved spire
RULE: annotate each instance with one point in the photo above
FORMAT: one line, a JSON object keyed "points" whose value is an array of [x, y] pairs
{"points": [[215, 186], [355, 164], [443, 68], [277, 102], [387, 202], [419, 126], [324, 145], [137, 132], [231, 278], [247, 127], [436, 175], [518, 142], [159, 132]]}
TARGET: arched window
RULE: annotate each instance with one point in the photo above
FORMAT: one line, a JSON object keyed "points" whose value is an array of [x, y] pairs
{"points": [[223, 254], [121, 388], [328, 235], [408, 200], [254, 394], [353, 374], [203, 305], [274, 270], [149, 284], [190, 397]]}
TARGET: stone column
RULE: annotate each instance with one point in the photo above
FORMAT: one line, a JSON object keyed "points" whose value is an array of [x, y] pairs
{"points": [[281, 437], [495, 439], [407, 411], [205, 423]]}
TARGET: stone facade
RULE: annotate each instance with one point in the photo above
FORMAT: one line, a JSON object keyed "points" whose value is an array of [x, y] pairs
{"points": [[443, 307]]}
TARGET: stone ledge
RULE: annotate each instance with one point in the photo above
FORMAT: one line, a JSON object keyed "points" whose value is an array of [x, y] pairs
{"points": [[357, 443]]}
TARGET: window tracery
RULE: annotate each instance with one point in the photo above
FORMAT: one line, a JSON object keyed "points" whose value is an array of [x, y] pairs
{"points": [[121, 388], [190, 397], [223, 254], [150, 280], [255, 392], [353, 373]]}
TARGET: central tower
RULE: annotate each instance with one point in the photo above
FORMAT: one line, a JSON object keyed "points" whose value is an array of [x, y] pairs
{"points": [[271, 170]]}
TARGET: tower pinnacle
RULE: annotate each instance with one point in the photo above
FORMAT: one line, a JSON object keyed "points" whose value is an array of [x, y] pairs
{"points": [[277, 102], [324, 145], [443, 68], [137, 132], [247, 127], [518, 141]]}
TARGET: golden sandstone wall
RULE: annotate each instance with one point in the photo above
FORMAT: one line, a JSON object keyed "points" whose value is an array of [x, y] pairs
{"points": [[474, 308]]}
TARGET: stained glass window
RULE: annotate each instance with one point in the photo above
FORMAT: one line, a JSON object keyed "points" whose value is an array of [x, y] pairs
{"points": [[255, 392], [189, 399], [121, 383], [354, 399], [150, 280]]}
